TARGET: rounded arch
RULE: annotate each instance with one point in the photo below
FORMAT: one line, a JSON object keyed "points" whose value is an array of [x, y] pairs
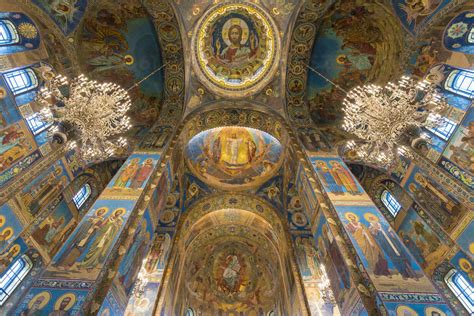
{"points": [[220, 227], [364, 47]]}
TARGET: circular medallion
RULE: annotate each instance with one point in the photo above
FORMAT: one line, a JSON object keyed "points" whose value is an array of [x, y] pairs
{"points": [[235, 49]]}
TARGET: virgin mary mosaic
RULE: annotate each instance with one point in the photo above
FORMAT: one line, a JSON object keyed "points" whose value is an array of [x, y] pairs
{"points": [[235, 48]]}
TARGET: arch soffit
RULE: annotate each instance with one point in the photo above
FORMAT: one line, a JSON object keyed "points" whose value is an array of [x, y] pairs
{"points": [[228, 113], [262, 211]]}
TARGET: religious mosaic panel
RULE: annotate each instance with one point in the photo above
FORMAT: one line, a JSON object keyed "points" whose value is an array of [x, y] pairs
{"points": [[234, 157], [236, 47]]}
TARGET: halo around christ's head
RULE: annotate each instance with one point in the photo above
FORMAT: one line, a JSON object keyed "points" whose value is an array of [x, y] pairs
{"points": [[235, 49]]}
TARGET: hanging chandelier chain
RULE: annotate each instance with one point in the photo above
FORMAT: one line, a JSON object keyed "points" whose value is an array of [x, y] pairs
{"points": [[325, 78], [380, 116]]}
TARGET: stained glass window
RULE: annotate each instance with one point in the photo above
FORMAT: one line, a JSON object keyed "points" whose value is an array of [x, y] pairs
{"points": [[470, 37], [36, 124], [13, 276], [462, 288], [390, 202], [8, 33], [82, 195], [22, 80], [445, 129], [461, 82]]}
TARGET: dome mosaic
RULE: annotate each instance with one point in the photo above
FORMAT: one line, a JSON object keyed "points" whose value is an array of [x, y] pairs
{"points": [[235, 49], [234, 157]]}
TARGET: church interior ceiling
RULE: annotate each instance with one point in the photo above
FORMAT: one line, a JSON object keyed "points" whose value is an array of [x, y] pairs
{"points": [[229, 101]]}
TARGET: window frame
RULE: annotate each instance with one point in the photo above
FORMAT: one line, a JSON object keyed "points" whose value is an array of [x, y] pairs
{"points": [[11, 32], [7, 287], [35, 123], [455, 76], [443, 131], [82, 195], [452, 279], [390, 202], [25, 74]]}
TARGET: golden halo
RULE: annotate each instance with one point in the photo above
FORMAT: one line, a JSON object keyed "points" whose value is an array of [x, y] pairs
{"points": [[129, 60], [412, 187], [235, 21], [69, 305], [3, 93], [2, 220], [10, 232], [44, 294], [120, 210], [353, 214], [471, 247], [404, 310], [15, 249], [100, 209], [371, 217], [340, 58], [465, 265], [429, 311]]}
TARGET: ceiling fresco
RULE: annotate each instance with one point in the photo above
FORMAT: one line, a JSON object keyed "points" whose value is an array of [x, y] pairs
{"points": [[66, 14], [231, 264], [235, 275], [357, 42], [234, 157], [234, 48], [414, 14], [118, 43]]}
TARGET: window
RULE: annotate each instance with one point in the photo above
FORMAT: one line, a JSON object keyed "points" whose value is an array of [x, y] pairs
{"points": [[189, 312], [461, 82], [82, 195], [13, 277], [443, 130], [461, 287], [390, 202], [470, 37], [8, 33], [20, 81], [36, 124]]}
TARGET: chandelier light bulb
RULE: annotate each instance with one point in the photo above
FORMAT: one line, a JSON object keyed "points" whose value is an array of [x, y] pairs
{"points": [[93, 114], [380, 116]]}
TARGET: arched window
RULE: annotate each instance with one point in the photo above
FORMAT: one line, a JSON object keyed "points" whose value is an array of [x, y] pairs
{"points": [[271, 313], [390, 202], [470, 37], [443, 130], [21, 80], [36, 124], [189, 312], [461, 82], [13, 277], [82, 195], [8, 33], [462, 288]]}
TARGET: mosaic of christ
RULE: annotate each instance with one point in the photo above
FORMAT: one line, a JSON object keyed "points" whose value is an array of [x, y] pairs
{"points": [[235, 47], [230, 156]]}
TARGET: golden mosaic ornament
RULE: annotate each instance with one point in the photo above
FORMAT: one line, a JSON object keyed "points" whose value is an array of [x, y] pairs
{"points": [[235, 49]]}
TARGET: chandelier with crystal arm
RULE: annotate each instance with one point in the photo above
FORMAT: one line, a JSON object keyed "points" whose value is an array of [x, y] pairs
{"points": [[91, 114], [380, 116]]}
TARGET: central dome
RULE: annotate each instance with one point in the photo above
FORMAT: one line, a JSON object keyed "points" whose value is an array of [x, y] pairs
{"points": [[232, 157], [235, 49]]}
